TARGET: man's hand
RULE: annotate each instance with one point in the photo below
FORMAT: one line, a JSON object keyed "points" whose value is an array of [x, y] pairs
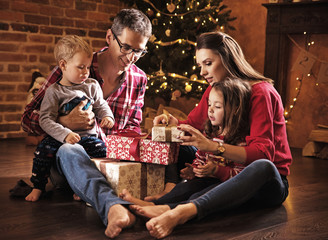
{"points": [[107, 122], [72, 138], [79, 119]]}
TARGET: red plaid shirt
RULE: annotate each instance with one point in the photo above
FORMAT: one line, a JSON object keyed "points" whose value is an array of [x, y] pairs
{"points": [[126, 102]]}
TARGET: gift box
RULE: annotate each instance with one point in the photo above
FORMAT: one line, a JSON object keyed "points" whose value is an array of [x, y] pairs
{"points": [[140, 179], [121, 175], [162, 133], [141, 150], [152, 179]]}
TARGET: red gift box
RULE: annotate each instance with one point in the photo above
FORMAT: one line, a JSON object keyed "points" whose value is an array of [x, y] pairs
{"points": [[141, 150]]}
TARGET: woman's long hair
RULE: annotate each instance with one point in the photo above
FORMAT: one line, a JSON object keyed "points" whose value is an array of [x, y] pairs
{"points": [[232, 56], [236, 98]]}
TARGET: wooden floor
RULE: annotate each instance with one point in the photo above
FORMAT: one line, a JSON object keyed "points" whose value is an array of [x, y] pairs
{"points": [[304, 215]]}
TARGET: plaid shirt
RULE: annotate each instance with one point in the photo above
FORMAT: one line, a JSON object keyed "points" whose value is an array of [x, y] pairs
{"points": [[126, 102]]}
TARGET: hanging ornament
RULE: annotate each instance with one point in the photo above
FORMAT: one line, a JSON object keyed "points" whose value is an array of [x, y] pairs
{"points": [[193, 77], [176, 94], [168, 32], [171, 7], [160, 72], [188, 87], [152, 38], [155, 21], [150, 12]]}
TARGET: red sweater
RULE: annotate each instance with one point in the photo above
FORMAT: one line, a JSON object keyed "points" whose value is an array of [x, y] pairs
{"points": [[268, 136]]}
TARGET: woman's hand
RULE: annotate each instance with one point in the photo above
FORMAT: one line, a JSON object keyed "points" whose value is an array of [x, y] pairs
{"points": [[206, 170], [187, 173], [165, 119], [79, 119], [197, 139]]}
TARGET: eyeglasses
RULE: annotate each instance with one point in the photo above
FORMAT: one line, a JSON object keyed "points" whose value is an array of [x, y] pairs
{"points": [[127, 49]]}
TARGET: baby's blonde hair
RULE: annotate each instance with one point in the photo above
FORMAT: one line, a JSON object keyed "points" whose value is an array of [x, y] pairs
{"points": [[69, 45]]}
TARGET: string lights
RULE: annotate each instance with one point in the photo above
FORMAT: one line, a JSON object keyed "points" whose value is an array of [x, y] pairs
{"points": [[304, 63]]}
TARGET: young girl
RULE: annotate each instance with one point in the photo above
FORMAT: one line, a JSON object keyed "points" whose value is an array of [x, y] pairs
{"points": [[227, 122]]}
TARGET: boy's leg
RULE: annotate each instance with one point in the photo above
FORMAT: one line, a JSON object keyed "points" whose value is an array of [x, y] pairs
{"points": [[94, 146], [45, 154]]}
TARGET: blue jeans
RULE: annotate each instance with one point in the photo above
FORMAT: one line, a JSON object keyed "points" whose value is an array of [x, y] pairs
{"points": [[86, 180], [259, 182]]}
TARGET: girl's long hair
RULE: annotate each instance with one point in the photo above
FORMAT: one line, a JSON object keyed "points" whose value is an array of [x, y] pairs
{"points": [[235, 126]]}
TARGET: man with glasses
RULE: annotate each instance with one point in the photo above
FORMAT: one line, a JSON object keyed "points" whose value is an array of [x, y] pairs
{"points": [[123, 85]]}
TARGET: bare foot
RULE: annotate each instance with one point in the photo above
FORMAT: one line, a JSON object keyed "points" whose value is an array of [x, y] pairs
{"points": [[34, 195], [150, 211], [163, 225], [76, 197], [168, 187], [118, 218], [125, 195]]}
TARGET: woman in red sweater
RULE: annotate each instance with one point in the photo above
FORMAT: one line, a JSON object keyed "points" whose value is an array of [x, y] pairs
{"points": [[266, 155]]}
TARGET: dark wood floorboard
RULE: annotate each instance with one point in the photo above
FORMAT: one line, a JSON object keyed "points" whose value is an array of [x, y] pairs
{"points": [[304, 215]]}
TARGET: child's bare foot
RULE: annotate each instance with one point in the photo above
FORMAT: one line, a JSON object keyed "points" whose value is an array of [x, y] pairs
{"points": [[118, 218], [150, 211], [125, 195], [163, 225], [76, 197], [34, 195], [168, 187]]}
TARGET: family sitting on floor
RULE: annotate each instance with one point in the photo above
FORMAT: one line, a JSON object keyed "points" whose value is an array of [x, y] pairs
{"points": [[236, 149]]}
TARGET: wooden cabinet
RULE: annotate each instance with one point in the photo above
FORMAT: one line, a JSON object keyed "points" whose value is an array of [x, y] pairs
{"points": [[284, 19]]}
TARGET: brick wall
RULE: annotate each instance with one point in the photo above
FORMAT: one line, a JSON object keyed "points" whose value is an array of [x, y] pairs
{"points": [[29, 30]]}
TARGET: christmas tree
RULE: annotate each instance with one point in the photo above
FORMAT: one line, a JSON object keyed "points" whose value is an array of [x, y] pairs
{"points": [[170, 62]]}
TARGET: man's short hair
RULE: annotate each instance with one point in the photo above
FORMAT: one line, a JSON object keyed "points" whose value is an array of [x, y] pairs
{"points": [[133, 19]]}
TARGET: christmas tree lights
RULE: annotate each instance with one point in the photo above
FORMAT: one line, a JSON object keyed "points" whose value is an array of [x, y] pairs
{"points": [[170, 62]]}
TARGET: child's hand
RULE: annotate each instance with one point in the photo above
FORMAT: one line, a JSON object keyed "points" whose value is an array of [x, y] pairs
{"points": [[107, 122], [206, 170], [187, 173], [72, 138]]}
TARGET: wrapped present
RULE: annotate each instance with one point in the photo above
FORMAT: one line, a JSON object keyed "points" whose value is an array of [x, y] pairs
{"points": [[163, 133], [141, 150], [152, 179], [139, 179], [121, 175], [158, 152]]}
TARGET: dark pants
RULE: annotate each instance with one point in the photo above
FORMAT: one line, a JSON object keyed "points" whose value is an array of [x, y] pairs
{"points": [[45, 155], [172, 171]]}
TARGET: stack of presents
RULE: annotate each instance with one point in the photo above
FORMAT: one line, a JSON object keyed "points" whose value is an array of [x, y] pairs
{"points": [[137, 162]]}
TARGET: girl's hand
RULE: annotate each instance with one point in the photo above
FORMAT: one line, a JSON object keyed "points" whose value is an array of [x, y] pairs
{"points": [[72, 138], [197, 139], [187, 173], [107, 122], [206, 170], [165, 119]]}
